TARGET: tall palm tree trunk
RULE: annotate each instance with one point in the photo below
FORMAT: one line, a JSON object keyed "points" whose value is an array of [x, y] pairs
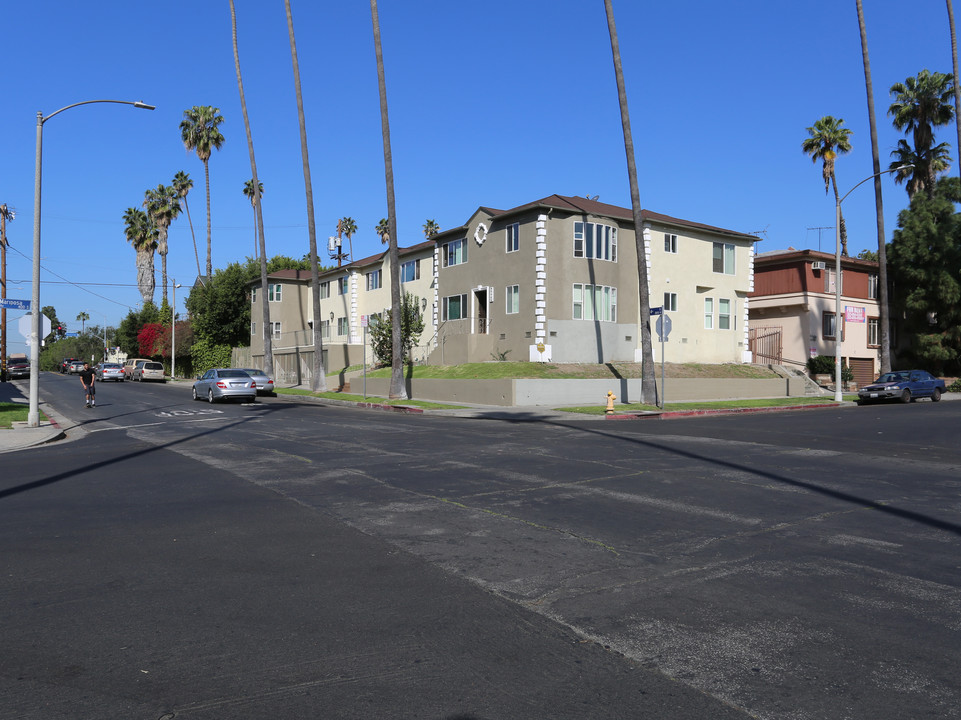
{"points": [[957, 78], [318, 377], [268, 346], [884, 319], [843, 228], [192, 233], [648, 389], [145, 274], [162, 251], [397, 387], [210, 271]]}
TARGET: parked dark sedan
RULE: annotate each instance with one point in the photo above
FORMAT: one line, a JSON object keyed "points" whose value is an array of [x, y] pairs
{"points": [[903, 385]]}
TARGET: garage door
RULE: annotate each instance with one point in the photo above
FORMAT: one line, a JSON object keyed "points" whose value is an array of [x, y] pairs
{"points": [[863, 369]]}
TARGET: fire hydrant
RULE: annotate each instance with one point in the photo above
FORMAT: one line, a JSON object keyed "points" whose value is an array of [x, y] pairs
{"points": [[611, 397]]}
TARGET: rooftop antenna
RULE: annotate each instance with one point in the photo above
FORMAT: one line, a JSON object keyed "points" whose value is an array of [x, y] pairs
{"points": [[819, 229]]}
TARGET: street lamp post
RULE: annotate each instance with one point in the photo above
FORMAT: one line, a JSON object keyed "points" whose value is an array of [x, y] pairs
{"points": [[838, 341], [33, 415], [173, 328]]}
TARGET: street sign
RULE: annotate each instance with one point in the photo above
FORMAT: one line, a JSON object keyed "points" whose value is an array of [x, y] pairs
{"points": [[11, 304], [657, 310], [663, 326], [25, 325]]}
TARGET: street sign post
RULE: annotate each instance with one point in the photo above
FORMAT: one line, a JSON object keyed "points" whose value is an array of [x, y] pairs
{"points": [[663, 327]]}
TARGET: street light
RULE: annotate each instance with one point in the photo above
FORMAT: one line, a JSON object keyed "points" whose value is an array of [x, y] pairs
{"points": [[837, 279], [173, 328], [33, 415]]}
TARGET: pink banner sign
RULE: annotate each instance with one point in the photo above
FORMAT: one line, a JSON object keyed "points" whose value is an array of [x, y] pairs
{"points": [[854, 314]]}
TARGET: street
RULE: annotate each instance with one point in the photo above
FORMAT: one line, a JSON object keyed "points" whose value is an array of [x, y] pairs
{"points": [[292, 559]]}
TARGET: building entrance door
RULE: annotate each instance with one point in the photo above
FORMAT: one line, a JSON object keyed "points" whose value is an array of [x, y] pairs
{"points": [[480, 298]]}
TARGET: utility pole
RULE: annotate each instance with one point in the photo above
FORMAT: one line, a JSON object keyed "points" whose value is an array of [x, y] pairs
{"points": [[5, 212]]}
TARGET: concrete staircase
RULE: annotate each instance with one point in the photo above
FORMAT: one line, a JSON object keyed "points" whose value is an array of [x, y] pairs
{"points": [[811, 388]]}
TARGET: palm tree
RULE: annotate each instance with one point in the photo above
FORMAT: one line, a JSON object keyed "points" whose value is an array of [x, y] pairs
{"points": [[878, 202], [431, 228], [347, 226], [648, 390], [183, 185], [383, 230], [397, 387], [200, 132], [828, 139], [82, 319], [163, 207], [249, 194], [318, 377], [938, 159], [258, 210], [954, 62], [922, 103], [142, 235]]}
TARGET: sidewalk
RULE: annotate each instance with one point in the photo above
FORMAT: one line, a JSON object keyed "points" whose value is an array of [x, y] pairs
{"points": [[21, 436]]}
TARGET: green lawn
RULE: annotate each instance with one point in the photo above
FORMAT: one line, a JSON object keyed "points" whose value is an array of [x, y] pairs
{"points": [[14, 412], [498, 370]]}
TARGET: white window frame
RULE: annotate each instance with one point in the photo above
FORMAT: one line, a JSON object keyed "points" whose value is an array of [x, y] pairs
{"points": [[275, 330], [512, 305], [708, 313], [463, 310], [724, 314], [670, 243], [325, 329], [670, 302], [253, 295], [253, 328], [829, 325], [373, 280], [872, 286], [594, 302], [343, 327], [595, 241], [325, 289], [403, 270], [343, 285], [513, 232], [723, 257], [455, 252], [874, 332], [275, 292]]}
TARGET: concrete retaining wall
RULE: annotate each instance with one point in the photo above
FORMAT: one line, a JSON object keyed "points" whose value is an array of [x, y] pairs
{"points": [[529, 392]]}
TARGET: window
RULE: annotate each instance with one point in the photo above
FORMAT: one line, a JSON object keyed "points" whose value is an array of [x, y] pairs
{"points": [[829, 278], [595, 302], [874, 332], [828, 325], [273, 292], [325, 290], [670, 302], [592, 240], [723, 314], [873, 287], [513, 299], [410, 271], [454, 307], [455, 253], [325, 329], [373, 279], [513, 237], [708, 313], [724, 258], [253, 295], [670, 243], [253, 329], [275, 330], [342, 285], [342, 328]]}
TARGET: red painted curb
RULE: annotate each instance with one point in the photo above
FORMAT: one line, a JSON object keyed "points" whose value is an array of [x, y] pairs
{"points": [[670, 415]]}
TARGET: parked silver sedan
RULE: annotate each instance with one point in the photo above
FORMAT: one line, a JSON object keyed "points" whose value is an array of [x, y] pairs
{"points": [[265, 386], [109, 371], [223, 384]]}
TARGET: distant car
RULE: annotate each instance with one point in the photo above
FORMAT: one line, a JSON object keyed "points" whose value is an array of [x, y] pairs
{"points": [[223, 384], [265, 386], [109, 371], [18, 369], [65, 364], [148, 371], [903, 385], [76, 366]]}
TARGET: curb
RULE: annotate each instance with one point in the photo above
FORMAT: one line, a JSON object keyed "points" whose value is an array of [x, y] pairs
{"points": [[674, 414]]}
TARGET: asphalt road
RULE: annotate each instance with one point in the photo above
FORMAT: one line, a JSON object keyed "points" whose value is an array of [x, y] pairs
{"points": [[288, 559]]}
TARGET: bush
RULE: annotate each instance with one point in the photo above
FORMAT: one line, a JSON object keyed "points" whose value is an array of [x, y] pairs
{"points": [[824, 365]]}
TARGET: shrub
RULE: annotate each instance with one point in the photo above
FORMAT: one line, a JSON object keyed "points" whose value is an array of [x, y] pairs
{"points": [[824, 365]]}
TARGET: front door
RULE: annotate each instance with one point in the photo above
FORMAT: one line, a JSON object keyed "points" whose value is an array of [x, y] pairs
{"points": [[480, 299]]}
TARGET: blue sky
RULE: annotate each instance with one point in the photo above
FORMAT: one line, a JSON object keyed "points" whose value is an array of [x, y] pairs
{"points": [[492, 103]]}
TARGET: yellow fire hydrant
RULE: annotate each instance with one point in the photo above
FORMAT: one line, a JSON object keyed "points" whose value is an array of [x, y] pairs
{"points": [[611, 397]]}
